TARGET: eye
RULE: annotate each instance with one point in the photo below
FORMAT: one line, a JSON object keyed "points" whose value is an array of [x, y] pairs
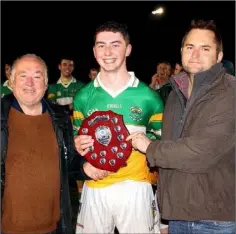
{"points": [[100, 46], [189, 47], [205, 49], [116, 45]]}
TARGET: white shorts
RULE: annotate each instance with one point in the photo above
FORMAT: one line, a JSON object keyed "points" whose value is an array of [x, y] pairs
{"points": [[128, 205]]}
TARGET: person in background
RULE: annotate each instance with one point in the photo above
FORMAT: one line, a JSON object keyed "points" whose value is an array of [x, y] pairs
{"points": [[6, 87], [64, 90], [229, 66], [93, 72], [177, 69], [160, 80]]}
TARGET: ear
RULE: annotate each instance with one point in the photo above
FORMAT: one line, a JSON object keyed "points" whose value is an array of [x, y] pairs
{"points": [[94, 52], [220, 56], [59, 67], [128, 50]]}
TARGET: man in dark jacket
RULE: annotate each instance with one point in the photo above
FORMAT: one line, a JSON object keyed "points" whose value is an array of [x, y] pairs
{"points": [[196, 156], [37, 155]]}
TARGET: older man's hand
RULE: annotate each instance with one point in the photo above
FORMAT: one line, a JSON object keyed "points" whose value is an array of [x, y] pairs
{"points": [[82, 144], [139, 141]]}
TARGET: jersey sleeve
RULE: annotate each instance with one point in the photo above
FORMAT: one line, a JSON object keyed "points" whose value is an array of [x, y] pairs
{"points": [[52, 93], [155, 121]]}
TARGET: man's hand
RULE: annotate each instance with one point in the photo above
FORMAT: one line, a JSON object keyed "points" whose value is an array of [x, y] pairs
{"points": [[139, 141], [95, 173], [82, 144]]}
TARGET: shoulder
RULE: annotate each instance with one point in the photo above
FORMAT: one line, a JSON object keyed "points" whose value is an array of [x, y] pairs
{"points": [[84, 91], [229, 81], [147, 91]]}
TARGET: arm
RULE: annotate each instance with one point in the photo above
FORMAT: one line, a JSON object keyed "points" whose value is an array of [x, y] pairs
{"points": [[195, 154], [202, 149], [153, 81], [52, 94]]}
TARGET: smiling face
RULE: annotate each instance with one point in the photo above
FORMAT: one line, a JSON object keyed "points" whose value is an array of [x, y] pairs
{"points": [[66, 67], [111, 50], [199, 51], [163, 69], [29, 82]]}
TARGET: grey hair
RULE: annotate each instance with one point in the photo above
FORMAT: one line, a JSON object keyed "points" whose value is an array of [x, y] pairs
{"points": [[34, 56]]}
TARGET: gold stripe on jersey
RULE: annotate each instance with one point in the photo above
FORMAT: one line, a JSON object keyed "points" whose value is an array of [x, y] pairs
{"points": [[136, 169], [51, 95], [156, 117], [78, 115]]}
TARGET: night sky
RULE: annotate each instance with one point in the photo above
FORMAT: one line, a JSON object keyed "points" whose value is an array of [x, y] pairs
{"points": [[55, 29]]}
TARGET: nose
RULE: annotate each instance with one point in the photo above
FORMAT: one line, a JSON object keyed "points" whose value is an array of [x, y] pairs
{"points": [[107, 50], [29, 81], [195, 53]]}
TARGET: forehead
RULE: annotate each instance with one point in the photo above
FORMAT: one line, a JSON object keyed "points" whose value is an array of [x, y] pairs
{"points": [[200, 37], [29, 64], [109, 36], [67, 61]]}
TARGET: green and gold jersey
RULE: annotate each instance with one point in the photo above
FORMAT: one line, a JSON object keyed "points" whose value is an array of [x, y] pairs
{"points": [[141, 108], [5, 89], [63, 94]]}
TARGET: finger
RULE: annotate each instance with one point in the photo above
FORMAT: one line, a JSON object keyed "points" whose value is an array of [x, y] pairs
{"points": [[84, 152], [131, 136], [85, 146], [82, 138]]}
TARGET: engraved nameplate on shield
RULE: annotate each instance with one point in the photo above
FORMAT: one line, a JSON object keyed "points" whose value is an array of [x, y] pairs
{"points": [[110, 150]]}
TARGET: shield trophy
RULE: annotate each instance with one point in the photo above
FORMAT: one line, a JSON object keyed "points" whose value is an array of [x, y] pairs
{"points": [[110, 150]]}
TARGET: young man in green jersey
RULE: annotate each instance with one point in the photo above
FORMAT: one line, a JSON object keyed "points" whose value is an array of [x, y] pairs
{"points": [[123, 199], [66, 87]]}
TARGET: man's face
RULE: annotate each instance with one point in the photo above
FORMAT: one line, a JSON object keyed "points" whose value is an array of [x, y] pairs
{"points": [[163, 69], [66, 67], [178, 69], [199, 51], [110, 51], [7, 71], [29, 83], [93, 74]]}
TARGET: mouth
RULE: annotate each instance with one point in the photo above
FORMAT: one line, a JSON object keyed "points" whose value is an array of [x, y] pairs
{"points": [[29, 91], [109, 61]]}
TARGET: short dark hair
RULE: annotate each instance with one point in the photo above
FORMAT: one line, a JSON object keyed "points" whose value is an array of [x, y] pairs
{"points": [[165, 62], [207, 25], [93, 69], [65, 57], [113, 26]]}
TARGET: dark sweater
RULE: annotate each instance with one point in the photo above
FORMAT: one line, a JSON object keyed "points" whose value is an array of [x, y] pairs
{"points": [[31, 200]]}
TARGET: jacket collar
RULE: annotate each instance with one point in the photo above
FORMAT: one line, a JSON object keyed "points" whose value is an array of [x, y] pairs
{"points": [[55, 111], [202, 79]]}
